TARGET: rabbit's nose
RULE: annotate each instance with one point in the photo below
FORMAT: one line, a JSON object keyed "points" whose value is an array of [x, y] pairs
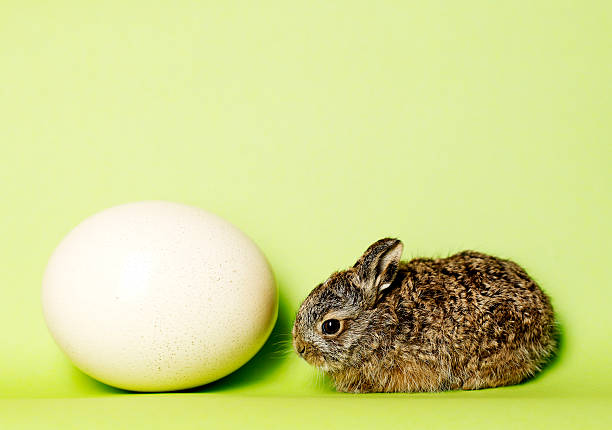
{"points": [[300, 347]]}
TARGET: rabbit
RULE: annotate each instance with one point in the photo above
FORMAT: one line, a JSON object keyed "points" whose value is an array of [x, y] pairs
{"points": [[468, 321]]}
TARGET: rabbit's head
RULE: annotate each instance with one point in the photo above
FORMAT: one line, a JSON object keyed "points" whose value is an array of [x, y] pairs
{"points": [[339, 322]]}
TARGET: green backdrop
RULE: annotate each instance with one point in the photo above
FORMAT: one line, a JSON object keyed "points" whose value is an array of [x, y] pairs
{"points": [[316, 127]]}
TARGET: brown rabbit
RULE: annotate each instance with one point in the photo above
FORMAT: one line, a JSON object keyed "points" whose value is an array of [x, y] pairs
{"points": [[468, 321]]}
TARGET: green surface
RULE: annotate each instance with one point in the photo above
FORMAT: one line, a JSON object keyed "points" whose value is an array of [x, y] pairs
{"points": [[317, 128]]}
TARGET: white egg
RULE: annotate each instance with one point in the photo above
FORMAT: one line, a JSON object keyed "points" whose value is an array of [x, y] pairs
{"points": [[158, 296]]}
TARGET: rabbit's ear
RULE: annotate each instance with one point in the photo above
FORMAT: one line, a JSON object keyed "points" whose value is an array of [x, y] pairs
{"points": [[377, 267]]}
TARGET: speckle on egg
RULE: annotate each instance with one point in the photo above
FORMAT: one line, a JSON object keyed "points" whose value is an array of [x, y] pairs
{"points": [[158, 296]]}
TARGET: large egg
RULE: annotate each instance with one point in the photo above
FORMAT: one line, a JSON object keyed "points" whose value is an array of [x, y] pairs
{"points": [[158, 296]]}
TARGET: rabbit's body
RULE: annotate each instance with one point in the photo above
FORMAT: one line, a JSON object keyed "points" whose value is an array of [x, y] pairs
{"points": [[468, 321]]}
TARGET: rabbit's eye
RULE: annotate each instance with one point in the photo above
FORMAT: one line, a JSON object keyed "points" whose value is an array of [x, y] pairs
{"points": [[330, 326]]}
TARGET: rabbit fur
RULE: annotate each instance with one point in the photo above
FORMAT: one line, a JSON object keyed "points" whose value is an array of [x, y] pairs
{"points": [[467, 321]]}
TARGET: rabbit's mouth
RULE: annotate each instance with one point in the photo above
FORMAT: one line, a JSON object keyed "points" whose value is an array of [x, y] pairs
{"points": [[314, 359], [326, 366], [310, 354]]}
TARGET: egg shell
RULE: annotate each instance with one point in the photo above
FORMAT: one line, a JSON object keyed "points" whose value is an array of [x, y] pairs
{"points": [[158, 296]]}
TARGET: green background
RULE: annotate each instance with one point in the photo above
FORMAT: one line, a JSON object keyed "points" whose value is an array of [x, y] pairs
{"points": [[316, 127]]}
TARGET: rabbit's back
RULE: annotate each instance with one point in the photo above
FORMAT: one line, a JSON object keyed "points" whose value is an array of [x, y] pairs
{"points": [[473, 320]]}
